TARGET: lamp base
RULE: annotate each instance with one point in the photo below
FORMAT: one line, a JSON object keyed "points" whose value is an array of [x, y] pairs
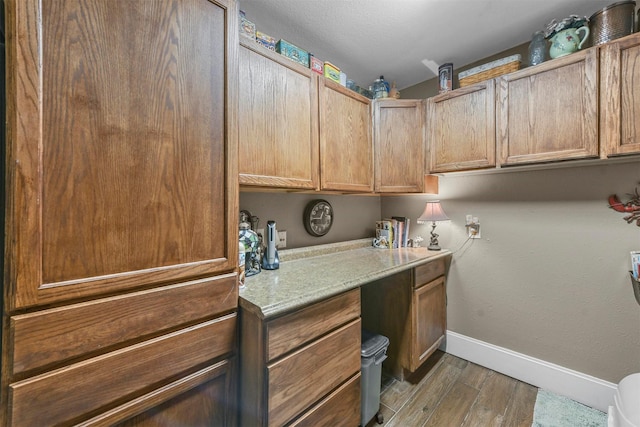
{"points": [[433, 244]]}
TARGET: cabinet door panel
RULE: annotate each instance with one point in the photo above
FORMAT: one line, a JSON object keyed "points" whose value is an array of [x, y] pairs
{"points": [[120, 151], [303, 377], [620, 96], [461, 129], [429, 315], [278, 121], [399, 142], [549, 112], [346, 149]]}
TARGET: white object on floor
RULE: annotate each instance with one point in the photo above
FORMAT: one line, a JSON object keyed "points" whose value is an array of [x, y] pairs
{"points": [[625, 411]]}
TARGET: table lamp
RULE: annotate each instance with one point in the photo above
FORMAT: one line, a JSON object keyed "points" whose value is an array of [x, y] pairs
{"points": [[433, 213]]}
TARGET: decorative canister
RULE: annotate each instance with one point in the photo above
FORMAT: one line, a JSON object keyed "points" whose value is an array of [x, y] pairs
{"points": [[445, 76], [331, 72], [537, 48], [241, 262], [379, 89], [315, 64], [612, 22], [252, 249]]}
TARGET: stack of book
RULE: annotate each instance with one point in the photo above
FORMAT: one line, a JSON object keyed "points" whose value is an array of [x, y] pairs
{"points": [[395, 231]]}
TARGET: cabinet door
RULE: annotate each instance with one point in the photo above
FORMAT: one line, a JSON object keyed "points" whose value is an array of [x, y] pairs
{"points": [[346, 150], [550, 111], [399, 146], [278, 121], [620, 96], [461, 128], [122, 145], [429, 319]]}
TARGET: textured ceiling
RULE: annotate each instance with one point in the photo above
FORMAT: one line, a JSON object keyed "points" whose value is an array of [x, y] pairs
{"points": [[396, 38]]}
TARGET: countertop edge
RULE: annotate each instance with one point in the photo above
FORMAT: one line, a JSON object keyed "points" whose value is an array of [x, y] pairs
{"points": [[289, 305]]}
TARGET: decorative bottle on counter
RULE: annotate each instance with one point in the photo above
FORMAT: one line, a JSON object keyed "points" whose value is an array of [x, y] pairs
{"points": [[537, 48], [251, 242], [241, 261]]}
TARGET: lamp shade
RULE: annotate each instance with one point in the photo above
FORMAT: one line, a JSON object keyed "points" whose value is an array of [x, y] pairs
{"points": [[432, 212]]}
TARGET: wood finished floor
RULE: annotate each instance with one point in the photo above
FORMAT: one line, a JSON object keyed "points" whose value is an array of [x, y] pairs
{"points": [[450, 392]]}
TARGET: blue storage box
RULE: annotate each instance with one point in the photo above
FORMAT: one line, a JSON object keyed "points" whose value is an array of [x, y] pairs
{"points": [[293, 52]]}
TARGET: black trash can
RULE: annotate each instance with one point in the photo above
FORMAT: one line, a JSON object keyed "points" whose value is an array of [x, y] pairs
{"points": [[373, 352]]}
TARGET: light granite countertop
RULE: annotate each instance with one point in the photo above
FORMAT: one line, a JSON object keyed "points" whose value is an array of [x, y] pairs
{"points": [[309, 275]]}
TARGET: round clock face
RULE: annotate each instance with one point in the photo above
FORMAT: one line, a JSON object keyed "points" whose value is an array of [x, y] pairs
{"points": [[318, 217]]}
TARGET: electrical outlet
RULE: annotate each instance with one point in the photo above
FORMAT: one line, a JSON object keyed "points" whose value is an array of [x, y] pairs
{"points": [[260, 232], [473, 227], [282, 239], [474, 231]]}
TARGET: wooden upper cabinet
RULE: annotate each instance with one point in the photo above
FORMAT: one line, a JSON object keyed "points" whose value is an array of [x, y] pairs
{"points": [[278, 121], [399, 145], [346, 150], [550, 111], [122, 146], [461, 128], [620, 96]]}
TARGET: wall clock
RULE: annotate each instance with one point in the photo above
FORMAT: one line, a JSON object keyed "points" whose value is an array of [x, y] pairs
{"points": [[318, 217]]}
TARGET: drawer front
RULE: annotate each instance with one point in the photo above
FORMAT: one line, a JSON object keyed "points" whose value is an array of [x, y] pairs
{"points": [[293, 330], [342, 407], [101, 382], [53, 336], [180, 402], [425, 273], [307, 375]]}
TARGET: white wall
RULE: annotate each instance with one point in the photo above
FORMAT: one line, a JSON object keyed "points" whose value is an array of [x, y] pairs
{"points": [[549, 278]]}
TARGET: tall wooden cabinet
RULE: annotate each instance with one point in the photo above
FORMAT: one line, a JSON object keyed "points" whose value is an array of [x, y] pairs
{"points": [[620, 96], [120, 284], [461, 129], [399, 145], [550, 111]]}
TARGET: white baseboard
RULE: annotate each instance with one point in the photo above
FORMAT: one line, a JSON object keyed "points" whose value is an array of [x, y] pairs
{"points": [[588, 390]]}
